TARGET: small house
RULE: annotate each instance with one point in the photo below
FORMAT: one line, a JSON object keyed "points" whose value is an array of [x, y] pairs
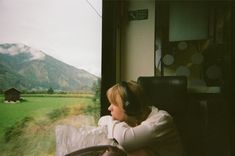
{"points": [[12, 94]]}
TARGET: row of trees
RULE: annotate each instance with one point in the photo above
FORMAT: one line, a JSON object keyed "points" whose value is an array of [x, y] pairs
{"points": [[95, 90], [49, 91]]}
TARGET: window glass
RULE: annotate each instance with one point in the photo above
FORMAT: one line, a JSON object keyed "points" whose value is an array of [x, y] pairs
{"points": [[50, 71]]}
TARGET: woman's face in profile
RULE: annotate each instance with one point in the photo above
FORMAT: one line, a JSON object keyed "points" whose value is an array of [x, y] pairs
{"points": [[116, 110]]}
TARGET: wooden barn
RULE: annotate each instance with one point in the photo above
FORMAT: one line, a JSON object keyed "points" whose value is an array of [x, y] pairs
{"points": [[12, 94]]}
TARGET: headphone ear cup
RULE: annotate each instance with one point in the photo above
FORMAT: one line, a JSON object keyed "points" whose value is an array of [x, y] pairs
{"points": [[128, 101], [127, 106]]}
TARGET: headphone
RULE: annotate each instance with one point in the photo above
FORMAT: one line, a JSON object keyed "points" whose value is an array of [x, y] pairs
{"points": [[129, 103]]}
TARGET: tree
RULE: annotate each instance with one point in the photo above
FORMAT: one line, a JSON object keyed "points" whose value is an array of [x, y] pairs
{"points": [[50, 91], [96, 89]]}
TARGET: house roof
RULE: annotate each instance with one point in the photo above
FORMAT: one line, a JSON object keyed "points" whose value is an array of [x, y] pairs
{"points": [[12, 90]]}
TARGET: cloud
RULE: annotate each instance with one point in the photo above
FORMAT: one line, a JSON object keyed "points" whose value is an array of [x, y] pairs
{"points": [[15, 49], [67, 30]]}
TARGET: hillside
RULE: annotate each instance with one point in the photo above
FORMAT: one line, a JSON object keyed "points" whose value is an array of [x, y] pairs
{"points": [[30, 69]]}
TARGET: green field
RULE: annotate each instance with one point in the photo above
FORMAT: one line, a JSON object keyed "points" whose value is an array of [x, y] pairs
{"points": [[45, 112]]}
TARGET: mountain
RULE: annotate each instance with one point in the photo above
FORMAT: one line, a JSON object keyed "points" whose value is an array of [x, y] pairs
{"points": [[25, 68]]}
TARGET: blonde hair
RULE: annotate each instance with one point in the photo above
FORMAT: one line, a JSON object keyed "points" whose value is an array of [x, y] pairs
{"points": [[137, 92]]}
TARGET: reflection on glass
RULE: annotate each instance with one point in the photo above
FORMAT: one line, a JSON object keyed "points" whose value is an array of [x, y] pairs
{"points": [[168, 59], [214, 72], [182, 71], [197, 58]]}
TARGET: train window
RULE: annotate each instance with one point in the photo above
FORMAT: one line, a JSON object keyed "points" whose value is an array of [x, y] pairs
{"points": [[50, 71]]}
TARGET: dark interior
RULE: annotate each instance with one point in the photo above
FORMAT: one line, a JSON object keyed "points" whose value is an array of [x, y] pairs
{"points": [[204, 119]]}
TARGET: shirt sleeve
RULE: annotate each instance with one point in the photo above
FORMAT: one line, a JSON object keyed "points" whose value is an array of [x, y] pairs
{"points": [[131, 138], [108, 122]]}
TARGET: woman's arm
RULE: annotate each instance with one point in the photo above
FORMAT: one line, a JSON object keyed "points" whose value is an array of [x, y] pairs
{"points": [[132, 138]]}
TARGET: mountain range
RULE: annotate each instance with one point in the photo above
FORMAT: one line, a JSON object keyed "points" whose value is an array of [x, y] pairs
{"points": [[25, 68]]}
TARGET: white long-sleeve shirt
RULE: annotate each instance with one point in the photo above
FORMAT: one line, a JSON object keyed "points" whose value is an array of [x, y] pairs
{"points": [[157, 132]]}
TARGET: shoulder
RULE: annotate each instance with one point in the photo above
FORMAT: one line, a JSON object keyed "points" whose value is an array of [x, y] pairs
{"points": [[157, 117], [156, 113]]}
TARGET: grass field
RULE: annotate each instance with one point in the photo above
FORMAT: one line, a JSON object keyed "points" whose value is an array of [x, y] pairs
{"points": [[46, 112]]}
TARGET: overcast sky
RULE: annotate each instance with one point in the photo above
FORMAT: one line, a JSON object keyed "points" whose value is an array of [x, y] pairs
{"points": [[69, 30]]}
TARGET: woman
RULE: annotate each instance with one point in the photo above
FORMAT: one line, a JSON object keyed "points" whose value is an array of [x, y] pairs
{"points": [[140, 129]]}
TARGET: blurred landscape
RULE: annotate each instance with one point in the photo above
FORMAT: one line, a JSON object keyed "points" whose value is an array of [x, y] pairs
{"points": [[28, 127]]}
